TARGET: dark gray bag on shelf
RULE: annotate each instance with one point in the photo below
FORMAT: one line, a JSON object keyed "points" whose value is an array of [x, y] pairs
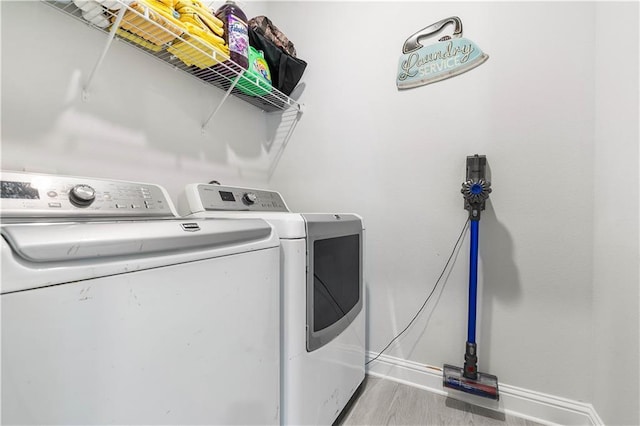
{"points": [[286, 70], [264, 26]]}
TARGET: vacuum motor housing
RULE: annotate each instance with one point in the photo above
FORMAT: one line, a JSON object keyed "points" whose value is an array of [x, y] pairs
{"points": [[477, 187]]}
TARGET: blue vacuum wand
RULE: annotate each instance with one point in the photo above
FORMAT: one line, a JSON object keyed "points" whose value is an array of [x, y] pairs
{"points": [[475, 191]]}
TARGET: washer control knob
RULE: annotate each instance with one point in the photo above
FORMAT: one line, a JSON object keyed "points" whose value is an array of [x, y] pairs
{"points": [[82, 195], [249, 198]]}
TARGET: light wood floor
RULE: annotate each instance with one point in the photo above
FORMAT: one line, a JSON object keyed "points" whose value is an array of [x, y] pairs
{"points": [[384, 402]]}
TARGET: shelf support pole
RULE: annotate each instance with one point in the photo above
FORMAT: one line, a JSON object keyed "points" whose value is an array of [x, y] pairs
{"points": [[112, 34], [285, 141], [224, 98]]}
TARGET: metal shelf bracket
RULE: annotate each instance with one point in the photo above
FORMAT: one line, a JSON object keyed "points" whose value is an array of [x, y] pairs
{"points": [[285, 140], [112, 34], [224, 98]]}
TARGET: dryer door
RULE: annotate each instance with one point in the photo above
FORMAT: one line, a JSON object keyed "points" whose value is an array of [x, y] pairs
{"points": [[334, 275]]}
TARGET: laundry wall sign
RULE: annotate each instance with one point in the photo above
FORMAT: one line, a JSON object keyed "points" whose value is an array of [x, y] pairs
{"points": [[452, 55]]}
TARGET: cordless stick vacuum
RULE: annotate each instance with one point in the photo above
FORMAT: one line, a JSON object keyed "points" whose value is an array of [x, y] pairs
{"points": [[475, 191]]}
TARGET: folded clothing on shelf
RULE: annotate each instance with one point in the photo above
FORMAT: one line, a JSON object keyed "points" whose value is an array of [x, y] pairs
{"points": [[202, 45], [193, 50], [93, 12], [193, 12], [115, 4], [149, 23], [138, 40]]}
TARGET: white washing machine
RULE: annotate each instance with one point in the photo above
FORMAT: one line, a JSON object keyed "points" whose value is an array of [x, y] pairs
{"points": [[323, 320], [116, 311]]}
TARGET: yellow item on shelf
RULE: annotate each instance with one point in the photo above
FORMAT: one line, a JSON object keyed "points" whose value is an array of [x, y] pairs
{"points": [[167, 12], [138, 40], [195, 51], [201, 8], [206, 35], [190, 16], [203, 45], [162, 33], [193, 11], [168, 3]]}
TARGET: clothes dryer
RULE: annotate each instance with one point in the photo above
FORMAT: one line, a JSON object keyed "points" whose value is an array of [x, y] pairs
{"points": [[323, 319], [116, 311]]}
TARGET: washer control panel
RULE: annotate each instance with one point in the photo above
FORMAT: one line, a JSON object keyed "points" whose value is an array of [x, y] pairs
{"points": [[231, 198], [38, 195]]}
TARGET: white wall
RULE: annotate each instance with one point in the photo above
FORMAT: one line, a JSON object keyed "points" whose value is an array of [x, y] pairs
{"points": [[142, 120], [398, 159], [616, 255]]}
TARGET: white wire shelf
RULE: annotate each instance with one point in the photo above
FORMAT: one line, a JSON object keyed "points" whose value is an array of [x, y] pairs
{"points": [[157, 37]]}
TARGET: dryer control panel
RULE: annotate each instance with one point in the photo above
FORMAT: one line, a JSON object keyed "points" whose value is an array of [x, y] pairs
{"points": [[28, 195], [232, 198]]}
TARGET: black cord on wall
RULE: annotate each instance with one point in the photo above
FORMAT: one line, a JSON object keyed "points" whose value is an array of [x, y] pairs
{"points": [[455, 247]]}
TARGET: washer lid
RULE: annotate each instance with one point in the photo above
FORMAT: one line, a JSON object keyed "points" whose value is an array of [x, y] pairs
{"points": [[38, 255], [64, 242]]}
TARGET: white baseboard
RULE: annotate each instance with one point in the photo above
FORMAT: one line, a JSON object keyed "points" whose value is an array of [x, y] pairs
{"points": [[535, 406]]}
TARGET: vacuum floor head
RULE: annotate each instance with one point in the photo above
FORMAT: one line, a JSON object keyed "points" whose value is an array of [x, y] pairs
{"points": [[485, 385]]}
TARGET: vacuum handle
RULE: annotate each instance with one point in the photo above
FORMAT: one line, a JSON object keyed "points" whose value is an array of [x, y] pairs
{"points": [[413, 43], [473, 281]]}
